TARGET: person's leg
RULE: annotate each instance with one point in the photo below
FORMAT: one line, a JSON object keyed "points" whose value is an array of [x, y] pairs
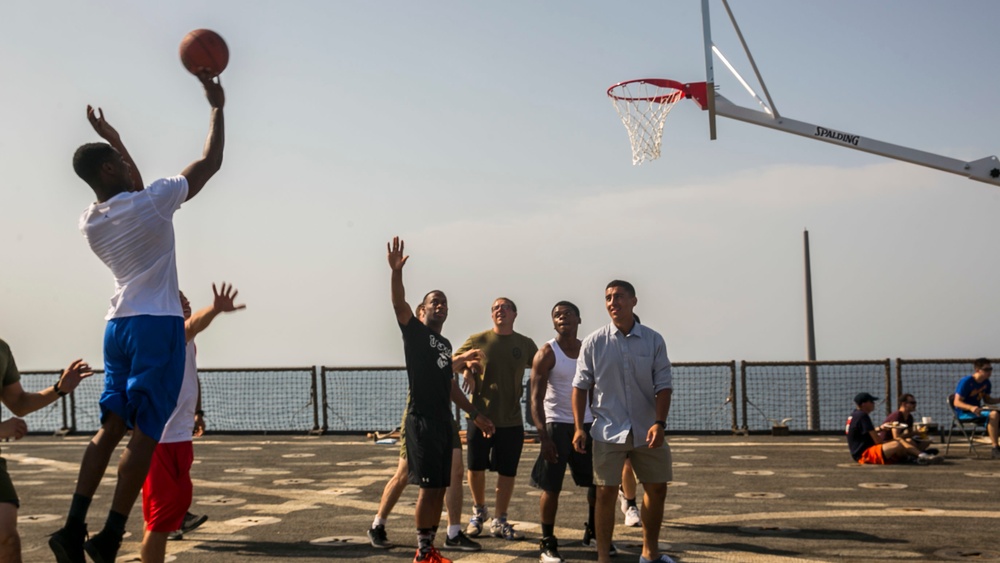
{"points": [[628, 482], [132, 470], [97, 456], [509, 444], [652, 518], [154, 547], [393, 490], [993, 428], [10, 541], [454, 496], [899, 450], [604, 520]]}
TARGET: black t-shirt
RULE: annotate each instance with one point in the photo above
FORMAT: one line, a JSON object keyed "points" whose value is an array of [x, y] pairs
{"points": [[859, 438], [428, 367]]}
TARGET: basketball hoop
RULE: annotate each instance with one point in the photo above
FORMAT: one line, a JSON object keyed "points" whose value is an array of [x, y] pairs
{"points": [[643, 105]]}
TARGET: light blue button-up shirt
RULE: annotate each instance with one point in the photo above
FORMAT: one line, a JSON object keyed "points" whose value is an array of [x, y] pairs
{"points": [[626, 371]]}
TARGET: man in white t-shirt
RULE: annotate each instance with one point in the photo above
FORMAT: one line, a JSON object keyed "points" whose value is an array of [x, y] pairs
{"points": [[130, 228], [167, 493]]}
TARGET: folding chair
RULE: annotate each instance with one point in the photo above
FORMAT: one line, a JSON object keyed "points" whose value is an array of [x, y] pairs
{"points": [[969, 428]]}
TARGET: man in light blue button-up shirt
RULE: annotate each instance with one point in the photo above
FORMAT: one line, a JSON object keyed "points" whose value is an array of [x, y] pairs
{"points": [[623, 372]]}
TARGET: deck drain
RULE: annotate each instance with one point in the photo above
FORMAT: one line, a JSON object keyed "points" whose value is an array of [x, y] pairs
{"points": [[916, 510], [252, 521], [895, 486], [760, 472], [36, 518], [768, 530], [294, 481], [957, 554], [222, 501], [760, 495], [340, 491], [340, 541]]}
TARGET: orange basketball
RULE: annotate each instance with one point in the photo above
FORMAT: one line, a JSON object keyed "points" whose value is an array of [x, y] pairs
{"points": [[204, 49]]}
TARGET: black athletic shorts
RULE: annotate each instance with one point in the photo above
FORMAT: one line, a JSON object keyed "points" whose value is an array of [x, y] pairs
{"points": [[549, 476], [7, 492], [428, 452], [500, 453]]}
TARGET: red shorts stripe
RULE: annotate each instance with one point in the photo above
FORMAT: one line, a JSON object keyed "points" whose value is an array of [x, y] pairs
{"points": [[167, 492]]}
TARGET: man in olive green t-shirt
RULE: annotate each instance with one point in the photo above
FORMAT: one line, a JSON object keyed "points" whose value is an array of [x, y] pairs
{"points": [[497, 395], [21, 402]]}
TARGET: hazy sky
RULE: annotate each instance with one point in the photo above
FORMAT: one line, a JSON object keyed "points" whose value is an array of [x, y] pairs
{"points": [[480, 132]]}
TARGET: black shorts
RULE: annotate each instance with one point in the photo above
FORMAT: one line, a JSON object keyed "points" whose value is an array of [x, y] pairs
{"points": [[7, 492], [428, 452], [549, 476], [500, 453]]}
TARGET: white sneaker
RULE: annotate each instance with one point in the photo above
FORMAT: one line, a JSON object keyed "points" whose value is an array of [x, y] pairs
{"points": [[621, 500], [632, 517]]}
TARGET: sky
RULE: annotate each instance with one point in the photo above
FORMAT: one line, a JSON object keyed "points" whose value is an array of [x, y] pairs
{"points": [[480, 133]]}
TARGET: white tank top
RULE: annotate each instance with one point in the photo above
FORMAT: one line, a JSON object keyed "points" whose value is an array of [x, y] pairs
{"points": [[559, 392]]}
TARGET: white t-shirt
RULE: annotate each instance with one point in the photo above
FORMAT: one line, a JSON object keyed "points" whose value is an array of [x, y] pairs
{"points": [[558, 403], [180, 426], [133, 233]]}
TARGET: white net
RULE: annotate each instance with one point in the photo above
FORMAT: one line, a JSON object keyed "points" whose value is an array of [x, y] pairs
{"points": [[643, 107]]}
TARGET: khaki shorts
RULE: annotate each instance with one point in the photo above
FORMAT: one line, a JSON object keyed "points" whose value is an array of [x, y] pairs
{"points": [[650, 465]]}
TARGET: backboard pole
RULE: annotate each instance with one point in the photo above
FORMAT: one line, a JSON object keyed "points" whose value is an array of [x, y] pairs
{"points": [[706, 24]]}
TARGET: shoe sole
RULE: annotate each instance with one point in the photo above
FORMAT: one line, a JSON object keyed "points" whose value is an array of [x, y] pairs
{"points": [[96, 555], [197, 524], [466, 548], [60, 552]]}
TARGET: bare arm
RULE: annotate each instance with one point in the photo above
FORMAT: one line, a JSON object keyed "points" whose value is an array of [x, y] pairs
{"points": [[654, 437], [199, 171], [21, 402], [479, 419], [396, 262], [960, 404], [110, 134], [580, 397], [223, 302], [541, 367]]}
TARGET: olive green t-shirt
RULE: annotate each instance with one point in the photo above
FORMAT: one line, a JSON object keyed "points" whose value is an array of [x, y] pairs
{"points": [[8, 369], [501, 385]]}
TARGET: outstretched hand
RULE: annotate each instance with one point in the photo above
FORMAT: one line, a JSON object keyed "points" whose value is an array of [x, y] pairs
{"points": [[101, 125], [224, 299], [73, 375], [395, 254], [213, 89]]}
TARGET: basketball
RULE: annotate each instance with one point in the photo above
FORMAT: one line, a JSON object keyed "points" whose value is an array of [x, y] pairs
{"points": [[204, 49]]}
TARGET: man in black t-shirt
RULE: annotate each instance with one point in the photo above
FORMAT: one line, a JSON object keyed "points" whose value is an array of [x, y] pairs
{"points": [[863, 440], [429, 369]]}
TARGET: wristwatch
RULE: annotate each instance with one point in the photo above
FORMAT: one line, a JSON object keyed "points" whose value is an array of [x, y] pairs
{"points": [[663, 424], [59, 391]]}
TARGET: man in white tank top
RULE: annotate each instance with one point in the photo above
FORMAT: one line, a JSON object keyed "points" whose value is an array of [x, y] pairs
{"points": [[167, 492], [552, 373]]}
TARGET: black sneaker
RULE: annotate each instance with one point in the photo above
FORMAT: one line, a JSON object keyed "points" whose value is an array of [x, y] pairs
{"points": [[103, 548], [378, 537], [461, 542], [176, 535], [932, 451], [590, 541], [67, 544], [550, 551], [192, 522]]}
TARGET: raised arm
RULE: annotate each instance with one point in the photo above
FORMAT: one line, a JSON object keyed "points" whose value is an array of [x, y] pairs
{"points": [[21, 402], [222, 303], [199, 171], [110, 134], [396, 262]]}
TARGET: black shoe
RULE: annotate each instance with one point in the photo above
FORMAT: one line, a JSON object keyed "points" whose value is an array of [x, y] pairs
{"points": [[176, 535], [67, 544], [461, 542], [378, 537], [103, 548], [550, 551], [588, 534], [932, 451], [192, 522]]}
